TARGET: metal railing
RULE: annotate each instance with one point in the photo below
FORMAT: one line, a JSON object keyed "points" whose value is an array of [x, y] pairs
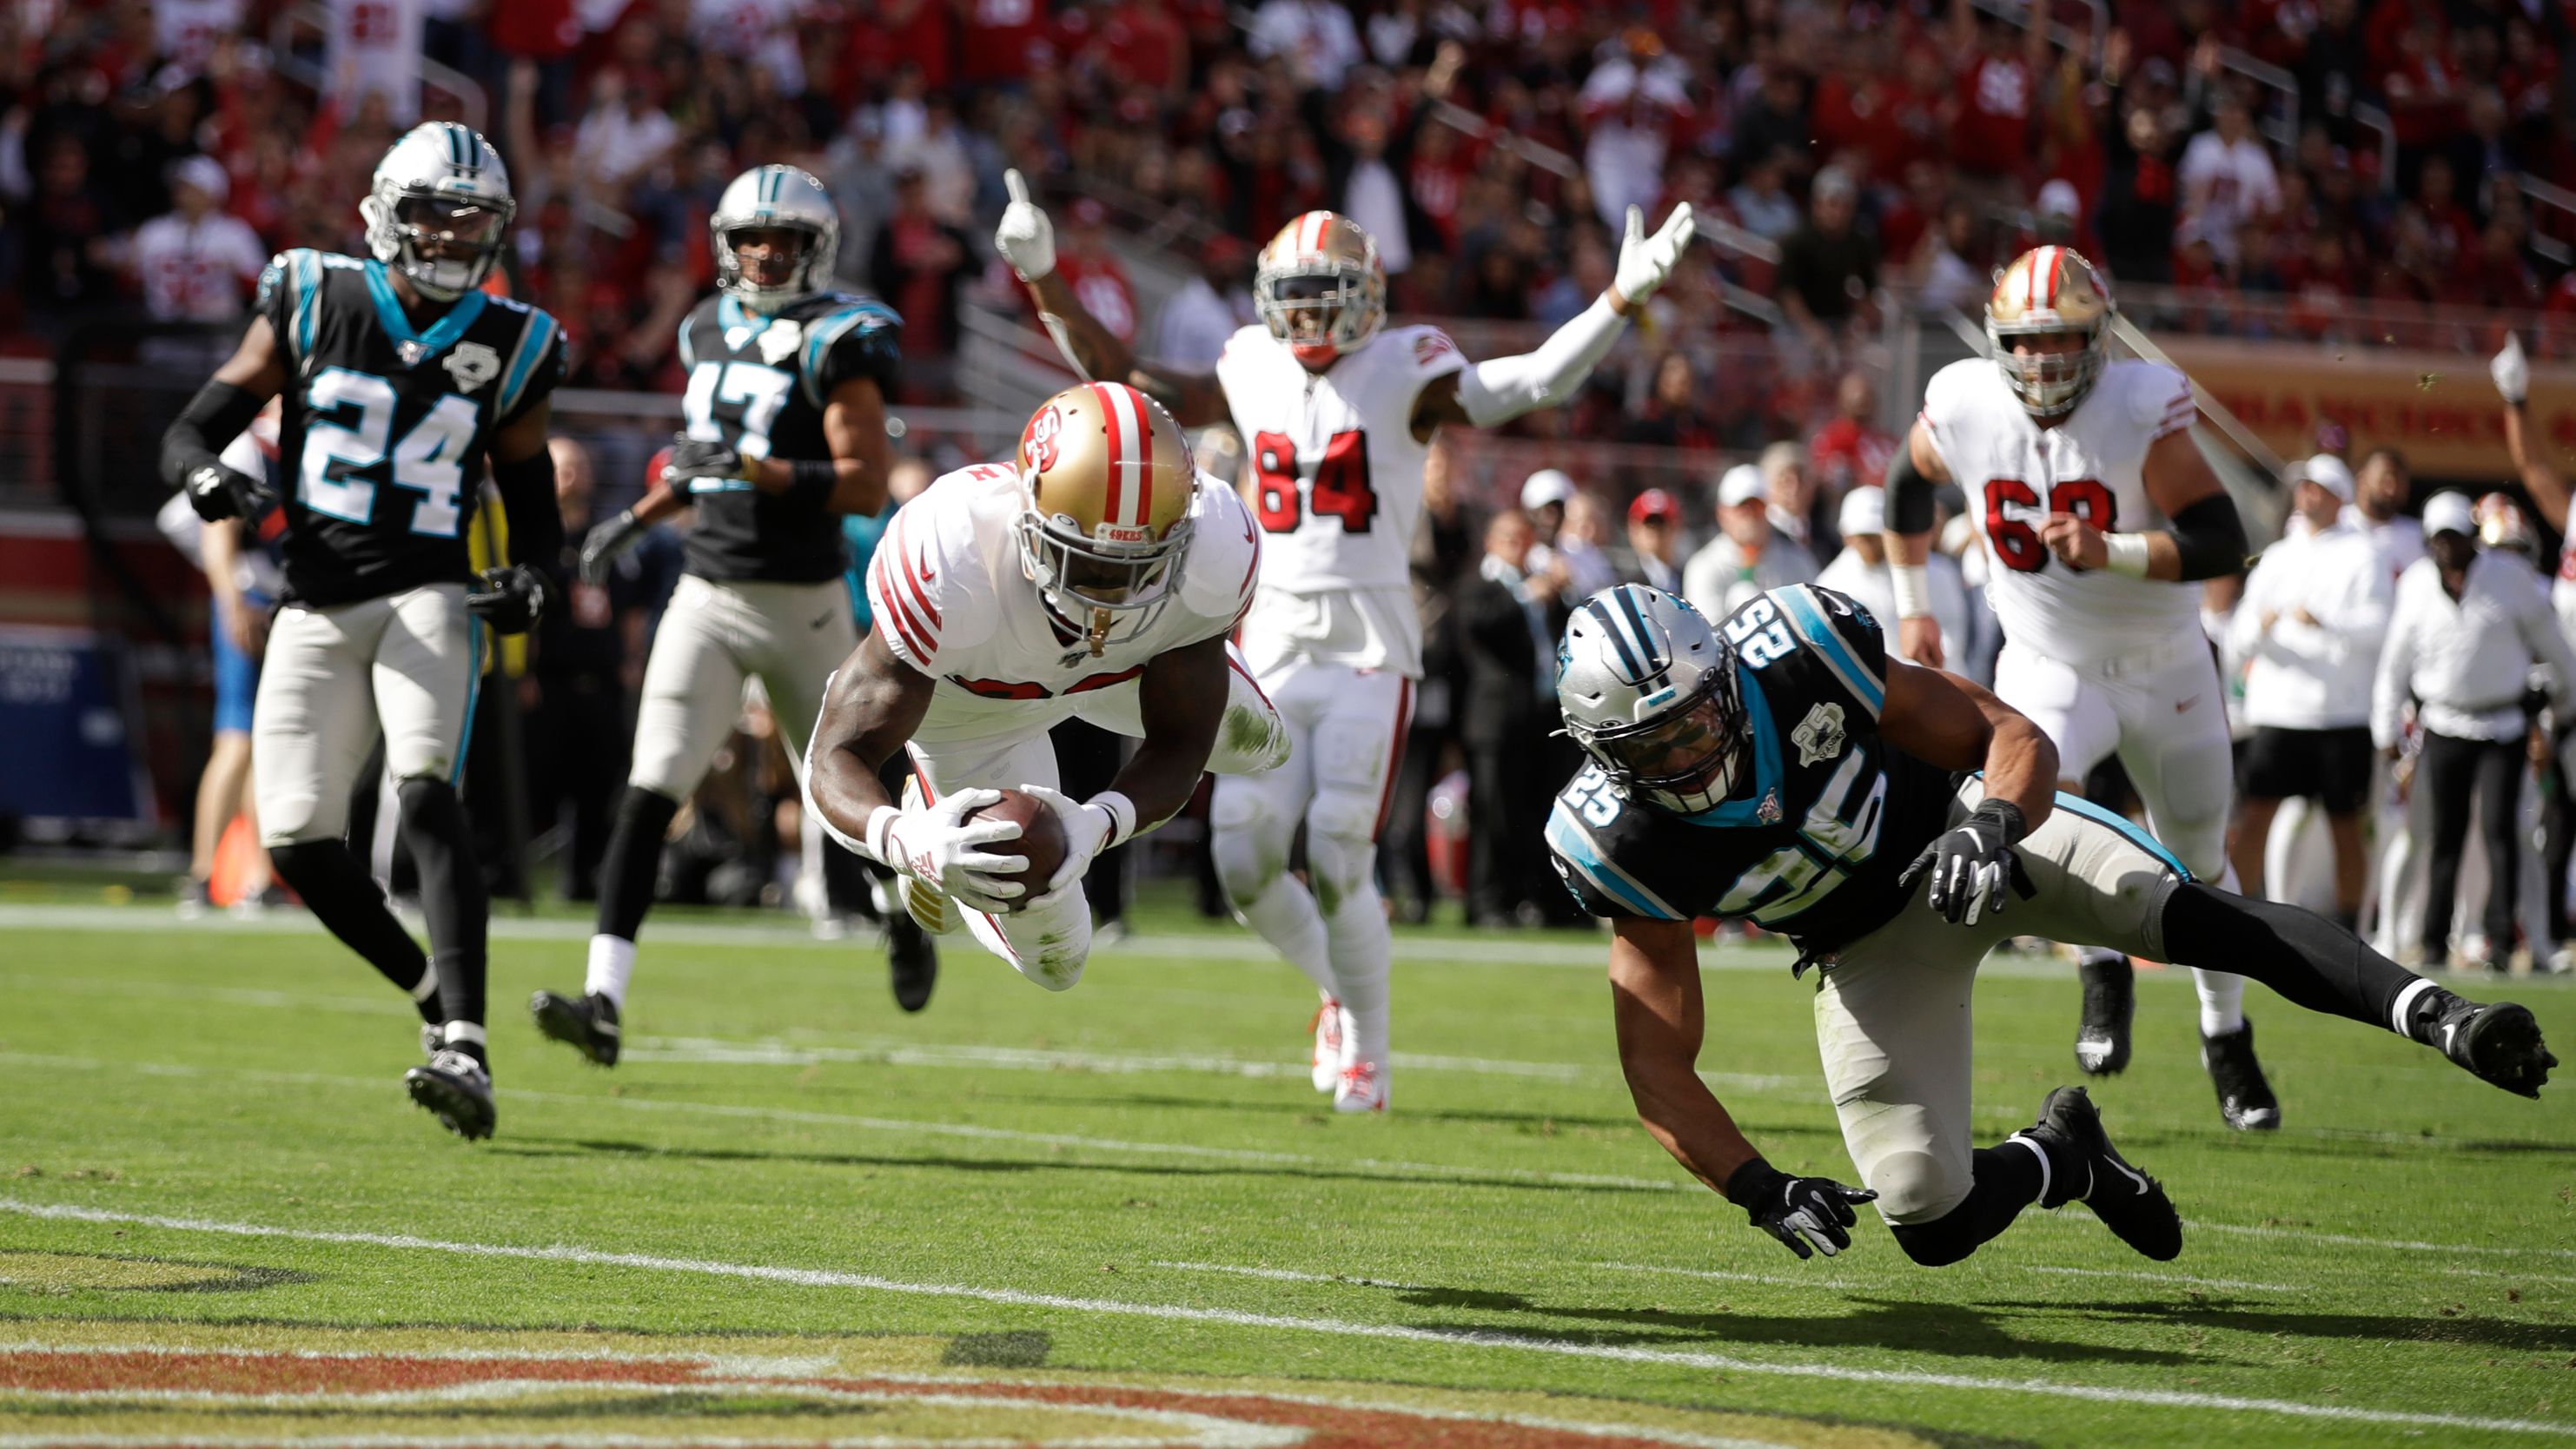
{"points": [[2065, 37], [2560, 200]]}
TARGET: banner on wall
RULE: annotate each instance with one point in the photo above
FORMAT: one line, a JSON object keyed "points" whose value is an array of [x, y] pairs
{"points": [[2438, 407]]}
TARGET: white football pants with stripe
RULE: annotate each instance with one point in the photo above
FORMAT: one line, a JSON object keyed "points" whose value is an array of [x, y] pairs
{"points": [[1346, 730], [2164, 713]]}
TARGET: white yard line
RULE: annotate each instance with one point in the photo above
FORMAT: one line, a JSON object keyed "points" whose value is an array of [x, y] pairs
{"points": [[1283, 1275], [1339, 1329], [1427, 1171]]}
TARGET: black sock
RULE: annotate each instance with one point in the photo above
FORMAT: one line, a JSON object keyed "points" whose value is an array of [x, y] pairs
{"points": [[634, 857], [2308, 959], [2008, 1180], [452, 895], [344, 898]]}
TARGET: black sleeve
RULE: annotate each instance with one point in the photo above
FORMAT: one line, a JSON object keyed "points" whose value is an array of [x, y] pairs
{"points": [[209, 423], [541, 384], [528, 497], [2210, 538], [1909, 493]]}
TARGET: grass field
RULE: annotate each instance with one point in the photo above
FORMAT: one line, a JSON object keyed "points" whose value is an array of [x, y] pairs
{"points": [[1120, 1215]]}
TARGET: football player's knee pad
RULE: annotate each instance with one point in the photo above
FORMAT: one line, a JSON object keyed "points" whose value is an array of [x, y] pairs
{"points": [[1249, 836], [1341, 845], [1051, 945], [1915, 1187]]}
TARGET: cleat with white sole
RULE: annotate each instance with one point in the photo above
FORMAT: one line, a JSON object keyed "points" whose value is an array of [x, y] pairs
{"points": [[1362, 1088], [1331, 1027]]}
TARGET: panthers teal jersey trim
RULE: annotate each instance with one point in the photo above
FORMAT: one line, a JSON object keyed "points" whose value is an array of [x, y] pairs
{"points": [[1808, 622], [441, 335]]}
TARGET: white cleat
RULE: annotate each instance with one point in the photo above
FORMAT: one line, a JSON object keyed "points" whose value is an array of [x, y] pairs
{"points": [[1332, 1028], [1362, 1089]]}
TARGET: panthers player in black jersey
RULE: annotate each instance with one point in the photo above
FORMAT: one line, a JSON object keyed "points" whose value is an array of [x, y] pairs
{"points": [[400, 377], [787, 381], [1783, 769]]}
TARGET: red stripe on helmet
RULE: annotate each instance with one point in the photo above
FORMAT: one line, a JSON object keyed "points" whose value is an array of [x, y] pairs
{"points": [[1108, 400], [1144, 461], [2056, 271]]}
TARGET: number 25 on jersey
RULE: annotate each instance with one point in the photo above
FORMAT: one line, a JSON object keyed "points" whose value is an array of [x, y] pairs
{"points": [[1339, 487]]}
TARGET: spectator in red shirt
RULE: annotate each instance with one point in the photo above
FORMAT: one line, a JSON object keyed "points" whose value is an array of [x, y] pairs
{"points": [[1093, 271], [917, 267], [1003, 40], [1851, 452], [1990, 141]]}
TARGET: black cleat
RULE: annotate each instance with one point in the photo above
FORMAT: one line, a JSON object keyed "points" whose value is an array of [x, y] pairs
{"points": [[2498, 1043], [2244, 1098], [2110, 1001], [912, 961], [588, 1024], [455, 1089], [2130, 1203]]}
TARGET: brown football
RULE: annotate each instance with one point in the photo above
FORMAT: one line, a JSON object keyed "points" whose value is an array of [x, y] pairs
{"points": [[1041, 839]]}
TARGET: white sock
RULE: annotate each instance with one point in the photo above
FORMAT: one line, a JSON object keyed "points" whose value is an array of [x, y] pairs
{"points": [[612, 960], [2047, 1174], [465, 1031], [426, 989], [1361, 945], [1284, 915], [2222, 1001]]}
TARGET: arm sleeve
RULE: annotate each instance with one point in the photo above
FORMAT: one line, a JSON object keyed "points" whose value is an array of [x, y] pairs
{"points": [[861, 340], [528, 496]]}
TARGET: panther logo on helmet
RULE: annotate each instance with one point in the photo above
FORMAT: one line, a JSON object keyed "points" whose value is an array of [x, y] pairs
{"points": [[1109, 485], [2050, 291]]}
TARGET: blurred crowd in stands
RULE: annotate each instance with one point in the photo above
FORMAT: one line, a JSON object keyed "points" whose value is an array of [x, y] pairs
{"points": [[1862, 155]]}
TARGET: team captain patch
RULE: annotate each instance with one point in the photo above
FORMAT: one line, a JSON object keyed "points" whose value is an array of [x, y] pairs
{"points": [[1819, 737]]}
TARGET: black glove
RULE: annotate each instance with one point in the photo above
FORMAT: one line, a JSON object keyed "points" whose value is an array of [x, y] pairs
{"points": [[1972, 862], [511, 600], [1797, 1210], [218, 493], [601, 546], [701, 458]]}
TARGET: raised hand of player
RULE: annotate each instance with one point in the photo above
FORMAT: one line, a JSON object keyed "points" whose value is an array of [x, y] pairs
{"points": [[1973, 866], [1918, 641], [938, 847], [2077, 544], [601, 547], [1809, 1215], [695, 458], [2511, 371], [218, 493], [511, 600], [1086, 830], [1025, 238], [1645, 261]]}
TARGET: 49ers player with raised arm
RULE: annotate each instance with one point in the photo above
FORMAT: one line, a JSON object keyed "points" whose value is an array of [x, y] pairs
{"points": [[1336, 412], [1097, 577], [2102, 516]]}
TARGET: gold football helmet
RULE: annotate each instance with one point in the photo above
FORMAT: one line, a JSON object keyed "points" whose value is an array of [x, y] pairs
{"points": [[1319, 287], [2501, 524], [1108, 484], [2050, 290]]}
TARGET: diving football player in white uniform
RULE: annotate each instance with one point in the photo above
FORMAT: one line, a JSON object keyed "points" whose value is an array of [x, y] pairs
{"points": [[1337, 413], [1096, 577], [2102, 517]]}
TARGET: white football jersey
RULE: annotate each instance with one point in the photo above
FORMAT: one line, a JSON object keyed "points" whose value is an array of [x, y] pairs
{"points": [[1338, 490], [2017, 473], [947, 589]]}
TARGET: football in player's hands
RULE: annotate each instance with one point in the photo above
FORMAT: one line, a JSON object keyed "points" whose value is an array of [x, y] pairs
{"points": [[1041, 841]]}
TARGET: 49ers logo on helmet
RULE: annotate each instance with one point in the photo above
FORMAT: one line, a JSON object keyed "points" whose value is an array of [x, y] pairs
{"points": [[1038, 444]]}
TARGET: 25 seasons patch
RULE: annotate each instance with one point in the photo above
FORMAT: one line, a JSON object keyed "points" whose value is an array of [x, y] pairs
{"points": [[88, 1382]]}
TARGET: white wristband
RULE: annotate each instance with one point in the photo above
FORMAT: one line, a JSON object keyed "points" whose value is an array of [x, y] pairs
{"points": [[2128, 554], [880, 824], [1122, 816], [1913, 589]]}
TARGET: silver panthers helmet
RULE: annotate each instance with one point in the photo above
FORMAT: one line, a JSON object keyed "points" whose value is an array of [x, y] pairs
{"points": [[775, 198], [1648, 690], [439, 209]]}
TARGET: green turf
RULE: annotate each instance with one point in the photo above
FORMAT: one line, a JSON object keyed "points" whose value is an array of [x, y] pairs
{"points": [[777, 1111]]}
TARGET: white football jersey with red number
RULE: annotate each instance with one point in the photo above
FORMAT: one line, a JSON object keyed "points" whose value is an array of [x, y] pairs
{"points": [[1337, 490], [949, 593], [2017, 473]]}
